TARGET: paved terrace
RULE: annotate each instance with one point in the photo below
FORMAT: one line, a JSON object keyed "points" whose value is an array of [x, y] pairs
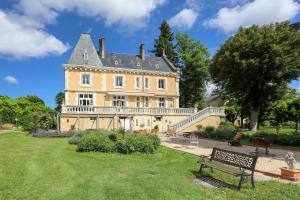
{"points": [[266, 164]]}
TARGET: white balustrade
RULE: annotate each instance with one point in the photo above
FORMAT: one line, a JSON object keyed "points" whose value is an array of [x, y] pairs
{"points": [[126, 110], [209, 111]]}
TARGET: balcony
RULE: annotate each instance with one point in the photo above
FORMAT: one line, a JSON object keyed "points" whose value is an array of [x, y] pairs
{"points": [[126, 110]]}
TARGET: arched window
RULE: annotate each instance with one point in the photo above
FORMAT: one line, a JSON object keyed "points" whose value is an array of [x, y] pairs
{"points": [[85, 56]]}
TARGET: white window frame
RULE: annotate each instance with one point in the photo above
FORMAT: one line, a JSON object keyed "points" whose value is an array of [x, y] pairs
{"points": [[85, 55], [136, 82], [116, 97], [158, 102], [148, 78], [81, 79], [115, 79], [148, 102], [92, 103], [166, 85], [139, 102]]}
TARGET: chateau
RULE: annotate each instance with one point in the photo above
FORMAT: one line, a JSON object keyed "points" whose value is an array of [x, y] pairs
{"points": [[135, 92]]}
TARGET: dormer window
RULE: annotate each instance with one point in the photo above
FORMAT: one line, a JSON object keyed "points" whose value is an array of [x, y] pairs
{"points": [[138, 64], [156, 66], [116, 62], [85, 56]]}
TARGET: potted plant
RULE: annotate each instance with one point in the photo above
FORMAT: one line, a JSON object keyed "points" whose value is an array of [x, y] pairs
{"points": [[155, 129], [290, 172]]}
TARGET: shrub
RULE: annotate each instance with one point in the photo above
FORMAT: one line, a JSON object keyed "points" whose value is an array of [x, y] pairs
{"points": [[95, 141], [114, 142], [225, 130], [292, 139], [72, 127], [209, 131]]}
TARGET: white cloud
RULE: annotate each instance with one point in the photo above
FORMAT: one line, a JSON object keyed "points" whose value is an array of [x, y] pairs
{"points": [[23, 33], [24, 38], [256, 12], [129, 13], [185, 19], [11, 80]]}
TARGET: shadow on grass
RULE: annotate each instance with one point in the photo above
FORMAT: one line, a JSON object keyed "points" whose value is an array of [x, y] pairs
{"points": [[209, 181]]}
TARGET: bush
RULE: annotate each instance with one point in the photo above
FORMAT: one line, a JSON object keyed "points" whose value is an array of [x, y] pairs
{"points": [[114, 142], [225, 130], [209, 131], [292, 139], [95, 141]]}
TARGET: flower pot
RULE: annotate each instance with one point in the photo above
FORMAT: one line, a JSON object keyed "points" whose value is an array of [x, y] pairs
{"points": [[290, 174]]}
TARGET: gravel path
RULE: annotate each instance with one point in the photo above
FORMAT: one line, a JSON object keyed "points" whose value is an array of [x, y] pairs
{"points": [[266, 163]]}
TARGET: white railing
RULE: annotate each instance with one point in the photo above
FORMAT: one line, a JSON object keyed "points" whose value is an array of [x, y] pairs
{"points": [[209, 111], [127, 110]]}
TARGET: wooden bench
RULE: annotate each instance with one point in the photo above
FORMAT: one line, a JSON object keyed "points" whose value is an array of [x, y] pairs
{"points": [[230, 162], [236, 141], [264, 142]]}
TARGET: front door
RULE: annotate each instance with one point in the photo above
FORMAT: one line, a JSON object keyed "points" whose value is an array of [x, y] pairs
{"points": [[127, 124]]}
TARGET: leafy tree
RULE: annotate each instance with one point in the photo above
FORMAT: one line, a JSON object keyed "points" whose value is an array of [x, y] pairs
{"points": [[194, 59], [280, 112], [257, 64], [33, 99], [165, 41], [59, 99], [232, 112], [8, 110], [294, 111]]}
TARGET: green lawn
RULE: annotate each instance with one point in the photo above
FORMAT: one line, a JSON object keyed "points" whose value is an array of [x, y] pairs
{"points": [[44, 168]]}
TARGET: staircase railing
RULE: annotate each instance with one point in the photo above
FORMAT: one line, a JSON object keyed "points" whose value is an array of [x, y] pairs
{"points": [[209, 111]]}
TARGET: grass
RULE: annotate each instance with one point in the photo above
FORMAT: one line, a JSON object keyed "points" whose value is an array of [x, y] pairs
{"points": [[50, 168]]}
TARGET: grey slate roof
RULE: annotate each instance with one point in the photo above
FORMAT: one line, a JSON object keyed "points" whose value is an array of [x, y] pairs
{"points": [[127, 61], [83, 45], [117, 60]]}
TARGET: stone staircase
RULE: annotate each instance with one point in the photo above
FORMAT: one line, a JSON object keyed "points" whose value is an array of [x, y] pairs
{"points": [[202, 114]]}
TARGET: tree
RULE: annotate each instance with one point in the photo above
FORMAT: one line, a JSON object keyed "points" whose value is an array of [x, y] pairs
{"points": [[294, 111], [33, 99], [165, 41], [232, 112], [280, 112], [9, 110], [59, 99], [257, 64], [193, 59]]}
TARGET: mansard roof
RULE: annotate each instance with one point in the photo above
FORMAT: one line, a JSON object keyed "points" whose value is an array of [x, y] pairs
{"points": [[117, 60]]}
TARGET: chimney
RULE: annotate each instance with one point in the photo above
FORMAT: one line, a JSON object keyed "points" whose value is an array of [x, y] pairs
{"points": [[101, 47], [142, 51], [163, 53]]}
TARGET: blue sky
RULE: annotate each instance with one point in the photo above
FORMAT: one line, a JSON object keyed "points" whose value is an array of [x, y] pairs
{"points": [[37, 36]]}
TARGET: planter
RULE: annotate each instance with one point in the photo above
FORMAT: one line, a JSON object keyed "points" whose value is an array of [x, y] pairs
{"points": [[290, 174]]}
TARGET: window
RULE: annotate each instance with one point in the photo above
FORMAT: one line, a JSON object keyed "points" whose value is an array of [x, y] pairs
{"points": [[85, 79], [85, 56], [161, 83], [119, 101], [119, 81], [146, 82], [116, 62], [156, 66], [85, 99], [146, 102], [136, 122], [138, 102], [161, 102], [148, 122], [138, 64], [138, 82]]}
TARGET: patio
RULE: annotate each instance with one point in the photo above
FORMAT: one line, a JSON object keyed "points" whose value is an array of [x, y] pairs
{"points": [[267, 167]]}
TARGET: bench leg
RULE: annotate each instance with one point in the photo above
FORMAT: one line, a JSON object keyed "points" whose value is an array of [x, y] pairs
{"points": [[200, 170], [252, 181], [267, 150], [240, 183]]}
